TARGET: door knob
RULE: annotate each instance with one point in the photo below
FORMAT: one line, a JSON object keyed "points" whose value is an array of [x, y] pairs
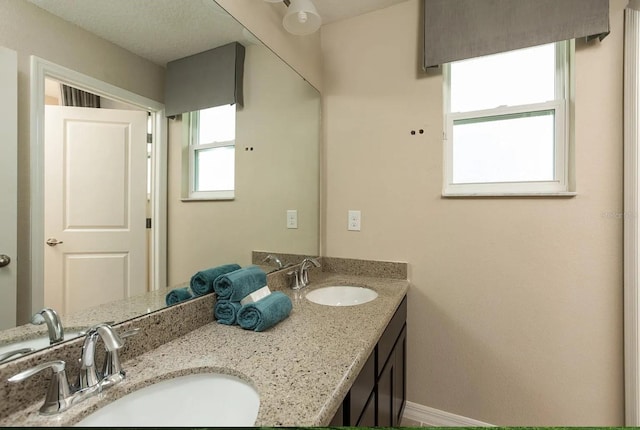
{"points": [[53, 242], [4, 260]]}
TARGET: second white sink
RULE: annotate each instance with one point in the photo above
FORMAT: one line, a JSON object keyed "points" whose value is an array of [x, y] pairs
{"points": [[341, 295], [200, 400]]}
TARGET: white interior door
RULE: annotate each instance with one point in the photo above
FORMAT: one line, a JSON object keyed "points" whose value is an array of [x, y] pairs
{"points": [[8, 181], [95, 206]]}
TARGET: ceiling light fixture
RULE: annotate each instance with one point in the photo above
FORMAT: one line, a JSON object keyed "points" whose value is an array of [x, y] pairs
{"points": [[301, 18]]}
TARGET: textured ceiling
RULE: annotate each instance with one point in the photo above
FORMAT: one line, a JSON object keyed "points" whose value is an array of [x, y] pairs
{"points": [[164, 30], [337, 10], [158, 30]]}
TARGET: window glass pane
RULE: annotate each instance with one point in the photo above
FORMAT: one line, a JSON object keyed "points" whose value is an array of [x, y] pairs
{"points": [[519, 77], [217, 124], [215, 169], [506, 148]]}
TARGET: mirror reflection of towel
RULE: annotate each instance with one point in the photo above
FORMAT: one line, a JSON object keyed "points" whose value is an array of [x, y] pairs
{"points": [[178, 295], [202, 282]]}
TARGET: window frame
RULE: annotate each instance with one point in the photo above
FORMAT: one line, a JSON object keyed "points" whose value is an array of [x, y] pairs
{"points": [[561, 185], [192, 146]]}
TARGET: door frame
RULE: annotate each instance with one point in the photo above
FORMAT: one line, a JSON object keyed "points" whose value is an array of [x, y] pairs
{"points": [[631, 217], [9, 181], [41, 69]]}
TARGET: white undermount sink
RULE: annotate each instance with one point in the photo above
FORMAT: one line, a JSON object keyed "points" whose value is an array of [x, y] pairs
{"points": [[341, 295], [199, 400]]}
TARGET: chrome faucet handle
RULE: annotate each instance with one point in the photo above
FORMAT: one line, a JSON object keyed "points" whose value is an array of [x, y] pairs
{"points": [[21, 351], [88, 376], [112, 372], [129, 333], [58, 396], [54, 325]]}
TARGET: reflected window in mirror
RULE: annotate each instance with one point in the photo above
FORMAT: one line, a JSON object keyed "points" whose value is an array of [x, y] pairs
{"points": [[211, 153]]}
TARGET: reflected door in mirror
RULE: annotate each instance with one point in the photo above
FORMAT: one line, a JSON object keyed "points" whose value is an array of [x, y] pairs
{"points": [[95, 206]]}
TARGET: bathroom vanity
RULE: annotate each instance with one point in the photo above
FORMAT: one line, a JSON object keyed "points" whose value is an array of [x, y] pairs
{"points": [[378, 395], [322, 365]]}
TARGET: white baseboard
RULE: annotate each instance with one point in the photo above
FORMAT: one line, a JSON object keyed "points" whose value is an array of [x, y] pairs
{"points": [[431, 417]]}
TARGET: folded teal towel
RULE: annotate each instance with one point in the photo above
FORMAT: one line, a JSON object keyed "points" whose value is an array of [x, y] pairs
{"points": [[265, 313], [178, 295], [202, 282], [235, 286], [226, 312]]}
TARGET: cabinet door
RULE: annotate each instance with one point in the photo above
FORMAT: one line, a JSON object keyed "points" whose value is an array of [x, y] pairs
{"points": [[368, 418], [361, 391], [391, 334], [385, 395], [399, 394], [338, 418]]}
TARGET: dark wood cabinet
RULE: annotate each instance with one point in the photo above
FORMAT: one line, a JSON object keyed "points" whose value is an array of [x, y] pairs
{"points": [[368, 418], [338, 418], [392, 385], [385, 396], [399, 394], [378, 395]]}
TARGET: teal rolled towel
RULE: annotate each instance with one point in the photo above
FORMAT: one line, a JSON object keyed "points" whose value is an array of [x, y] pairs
{"points": [[265, 313], [178, 295], [235, 286], [226, 312], [202, 282]]}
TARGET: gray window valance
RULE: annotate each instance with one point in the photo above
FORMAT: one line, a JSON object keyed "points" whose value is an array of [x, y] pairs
{"points": [[460, 29], [208, 79]]}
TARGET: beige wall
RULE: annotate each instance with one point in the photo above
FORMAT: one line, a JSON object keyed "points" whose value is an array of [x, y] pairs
{"points": [[265, 21], [515, 310], [29, 30], [280, 121]]}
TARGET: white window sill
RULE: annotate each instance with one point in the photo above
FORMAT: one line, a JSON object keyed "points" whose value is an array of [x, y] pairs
{"points": [[514, 194], [206, 199]]}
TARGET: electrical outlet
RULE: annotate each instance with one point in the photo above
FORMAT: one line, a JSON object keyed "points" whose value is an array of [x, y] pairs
{"points": [[292, 219], [354, 221]]}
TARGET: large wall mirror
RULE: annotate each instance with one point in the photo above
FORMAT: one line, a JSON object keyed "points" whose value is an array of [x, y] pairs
{"points": [[276, 156]]}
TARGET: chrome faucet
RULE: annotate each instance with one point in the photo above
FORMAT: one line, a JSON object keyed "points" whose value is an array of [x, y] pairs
{"points": [[54, 325], [300, 277], [304, 269], [112, 371], [60, 395]]}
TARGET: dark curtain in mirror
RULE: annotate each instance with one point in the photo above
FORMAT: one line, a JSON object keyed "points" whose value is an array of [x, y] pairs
{"points": [[75, 97]]}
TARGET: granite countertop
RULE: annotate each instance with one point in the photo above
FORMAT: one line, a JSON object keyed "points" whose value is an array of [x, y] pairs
{"points": [[119, 310], [116, 311], [302, 368]]}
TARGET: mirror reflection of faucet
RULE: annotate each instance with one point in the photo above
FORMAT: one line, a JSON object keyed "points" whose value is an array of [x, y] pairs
{"points": [[274, 258], [269, 258], [54, 326], [14, 353]]}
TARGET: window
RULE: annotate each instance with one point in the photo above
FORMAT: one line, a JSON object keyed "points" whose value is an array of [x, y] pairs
{"points": [[211, 153], [507, 123]]}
